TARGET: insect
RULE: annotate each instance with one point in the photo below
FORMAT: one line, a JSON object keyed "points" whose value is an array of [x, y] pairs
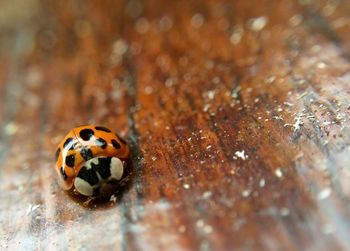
{"points": [[90, 158]]}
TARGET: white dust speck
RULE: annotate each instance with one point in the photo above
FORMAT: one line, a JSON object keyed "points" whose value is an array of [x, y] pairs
{"points": [[284, 211], [186, 186], [118, 50], [200, 223], [169, 82], [119, 47], [298, 123], [249, 90], [207, 195], [241, 154], [288, 104], [279, 173], [262, 182], [302, 95], [113, 198], [325, 143], [206, 107], [197, 20], [324, 193], [278, 117], [295, 20], [208, 229], [316, 48], [154, 158], [148, 90], [11, 128], [257, 24], [235, 92], [211, 94], [32, 208], [236, 35], [246, 193], [270, 79], [321, 65]]}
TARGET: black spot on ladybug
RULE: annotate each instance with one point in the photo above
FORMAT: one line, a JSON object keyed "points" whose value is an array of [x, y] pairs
{"points": [[68, 143], [64, 175], [101, 143], [86, 153], [57, 154], [121, 139], [70, 159], [89, 175], [101, 128], [86, 134], [104, 167], [115, 144]]}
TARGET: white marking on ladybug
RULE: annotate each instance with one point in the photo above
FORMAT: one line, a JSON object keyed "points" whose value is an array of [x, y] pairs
{"points": [[117, 168], [83, 187]]}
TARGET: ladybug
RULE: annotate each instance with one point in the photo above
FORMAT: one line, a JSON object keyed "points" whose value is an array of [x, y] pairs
{"points": [[90, 158]]}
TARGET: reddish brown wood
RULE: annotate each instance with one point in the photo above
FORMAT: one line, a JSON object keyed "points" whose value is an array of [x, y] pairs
{"points": [[236, 113]]}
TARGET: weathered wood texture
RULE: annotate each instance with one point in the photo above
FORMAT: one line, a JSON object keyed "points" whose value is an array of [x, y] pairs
{"points": [[237, 113]]}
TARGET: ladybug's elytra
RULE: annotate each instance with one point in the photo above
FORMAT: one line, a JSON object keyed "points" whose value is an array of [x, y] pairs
{"points": [[89, 157]]}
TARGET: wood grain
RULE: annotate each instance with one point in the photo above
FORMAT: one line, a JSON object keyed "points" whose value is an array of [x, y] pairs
{"points": [[236, 113]]}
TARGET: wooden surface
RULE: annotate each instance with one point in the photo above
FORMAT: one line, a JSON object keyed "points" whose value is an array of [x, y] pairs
{"points": [[237, 114]]}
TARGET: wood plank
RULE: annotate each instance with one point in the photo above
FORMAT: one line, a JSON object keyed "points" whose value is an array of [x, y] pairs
{"points": [[236, 114]]}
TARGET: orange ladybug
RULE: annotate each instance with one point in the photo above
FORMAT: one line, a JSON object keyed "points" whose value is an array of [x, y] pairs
{"points": [[90, 157]]}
